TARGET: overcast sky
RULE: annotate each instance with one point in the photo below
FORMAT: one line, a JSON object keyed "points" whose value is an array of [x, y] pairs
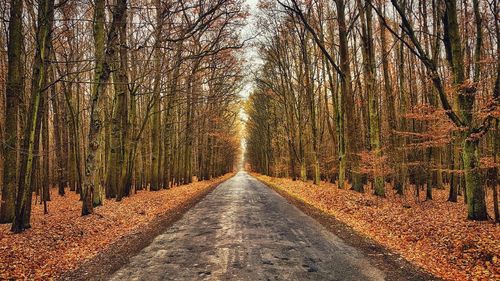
{"points": [[250, 54]]}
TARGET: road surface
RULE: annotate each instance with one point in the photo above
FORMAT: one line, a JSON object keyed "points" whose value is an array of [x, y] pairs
{"points": [[243, 230]]}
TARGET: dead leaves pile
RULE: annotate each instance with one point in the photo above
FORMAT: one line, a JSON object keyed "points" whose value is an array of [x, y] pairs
{"points": [[433, 235], [62, 239]]}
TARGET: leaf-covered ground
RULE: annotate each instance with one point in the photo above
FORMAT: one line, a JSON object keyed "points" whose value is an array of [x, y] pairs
{"points": [[431, 234], [62, 239]]}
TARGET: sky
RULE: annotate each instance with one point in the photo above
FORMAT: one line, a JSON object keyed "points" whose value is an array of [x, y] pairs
{"points": [[252, 3], [250, 54]]}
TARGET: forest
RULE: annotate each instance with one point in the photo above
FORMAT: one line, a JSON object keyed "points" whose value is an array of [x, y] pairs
{"points": [[187, 127], [386, 95], [106, 99]]}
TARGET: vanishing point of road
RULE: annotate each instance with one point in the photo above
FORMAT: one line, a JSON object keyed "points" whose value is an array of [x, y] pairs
{"points": [[243, 230]]}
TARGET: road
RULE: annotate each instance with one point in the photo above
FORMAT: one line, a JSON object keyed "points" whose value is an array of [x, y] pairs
{"points": [[243, 230]]}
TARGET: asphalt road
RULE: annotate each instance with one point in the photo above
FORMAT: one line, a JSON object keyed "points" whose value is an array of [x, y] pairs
{"points": [[243, 230]]}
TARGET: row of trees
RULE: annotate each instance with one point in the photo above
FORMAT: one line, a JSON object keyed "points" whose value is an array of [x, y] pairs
{"points": [[109, 97], [400, 92]]}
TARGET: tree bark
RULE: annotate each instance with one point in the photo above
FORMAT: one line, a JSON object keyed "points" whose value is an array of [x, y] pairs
{"points": [[13, 92], [91, 196], [32, 130]]}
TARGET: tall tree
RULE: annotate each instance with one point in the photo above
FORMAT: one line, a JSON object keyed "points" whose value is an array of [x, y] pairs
{"points": [[32, 132], [13, 92], [103, 55]]}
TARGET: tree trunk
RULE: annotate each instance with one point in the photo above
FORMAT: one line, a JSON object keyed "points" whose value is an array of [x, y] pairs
{"points": [[45, 163], [13, 92], [309, 92], [476, 203], [464, 104], [43, 39], [347, 109], [59, 145], [155, 126], [370, 79], [91, 196], [118, 166]]}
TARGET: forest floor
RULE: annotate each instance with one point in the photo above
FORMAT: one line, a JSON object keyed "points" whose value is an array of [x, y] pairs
{"points": [[433, 235], [62, 240]]}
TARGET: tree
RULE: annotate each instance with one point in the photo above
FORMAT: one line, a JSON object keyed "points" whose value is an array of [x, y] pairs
{"points": [[426, 122], [462, 114], [14, 92], [32, 131]]}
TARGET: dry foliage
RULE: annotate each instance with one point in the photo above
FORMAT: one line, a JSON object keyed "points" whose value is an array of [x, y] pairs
{"points": [[433, 234], [63, 239]]}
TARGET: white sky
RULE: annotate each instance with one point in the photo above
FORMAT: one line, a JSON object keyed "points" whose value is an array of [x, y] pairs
{"points": [[250, 54]]}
